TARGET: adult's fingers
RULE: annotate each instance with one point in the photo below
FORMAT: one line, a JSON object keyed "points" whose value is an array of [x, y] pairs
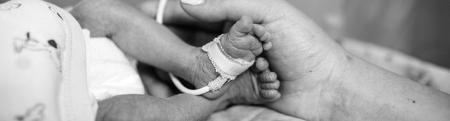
{"points": [[175, 15], [172, 11], [261, 11]]}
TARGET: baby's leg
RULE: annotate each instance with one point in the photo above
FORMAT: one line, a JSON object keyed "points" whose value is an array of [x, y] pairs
{"points": [[135, 34], [154, 44], [241, 42]]}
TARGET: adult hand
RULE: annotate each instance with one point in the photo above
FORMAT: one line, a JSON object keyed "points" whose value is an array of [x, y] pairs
{"points": [[320, 80], [305, 58]]}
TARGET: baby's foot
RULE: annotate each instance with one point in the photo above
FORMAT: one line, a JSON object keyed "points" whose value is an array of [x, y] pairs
{"points": [[239, 43], [254, 87], [257, 86]]}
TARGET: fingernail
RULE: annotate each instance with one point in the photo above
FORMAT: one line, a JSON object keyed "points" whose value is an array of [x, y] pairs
{"points": [[193, 2]]}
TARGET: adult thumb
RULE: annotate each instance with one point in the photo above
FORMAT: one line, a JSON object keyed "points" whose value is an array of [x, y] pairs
{"points": [[229, 10]]}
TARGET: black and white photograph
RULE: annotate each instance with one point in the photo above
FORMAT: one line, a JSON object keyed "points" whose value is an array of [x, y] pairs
{"points": [[224, 60]]}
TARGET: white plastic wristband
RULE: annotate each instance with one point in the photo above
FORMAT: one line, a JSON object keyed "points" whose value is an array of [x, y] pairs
{"points": [[224, 64]]}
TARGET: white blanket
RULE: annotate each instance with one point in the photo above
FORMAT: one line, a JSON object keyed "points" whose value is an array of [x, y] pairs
{"points": [[109, 72]]}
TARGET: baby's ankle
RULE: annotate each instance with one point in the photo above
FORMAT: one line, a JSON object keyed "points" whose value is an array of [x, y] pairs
{"points": [[202, 70]]}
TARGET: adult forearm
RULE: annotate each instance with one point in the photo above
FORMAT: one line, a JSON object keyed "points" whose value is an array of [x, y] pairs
{"points": [[133, 108], [149, 108], [413, 68], [367, 92]]}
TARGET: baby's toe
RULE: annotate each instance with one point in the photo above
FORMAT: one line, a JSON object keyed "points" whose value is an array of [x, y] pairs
{"points": [[256, 48], [270, 94], [242, 27], [261, 32], [267, 46], [270, 86], [263, 35], [261, 64], [267, 77]]}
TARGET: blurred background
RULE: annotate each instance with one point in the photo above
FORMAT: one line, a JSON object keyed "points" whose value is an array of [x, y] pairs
{"points": [[416, 27]]}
